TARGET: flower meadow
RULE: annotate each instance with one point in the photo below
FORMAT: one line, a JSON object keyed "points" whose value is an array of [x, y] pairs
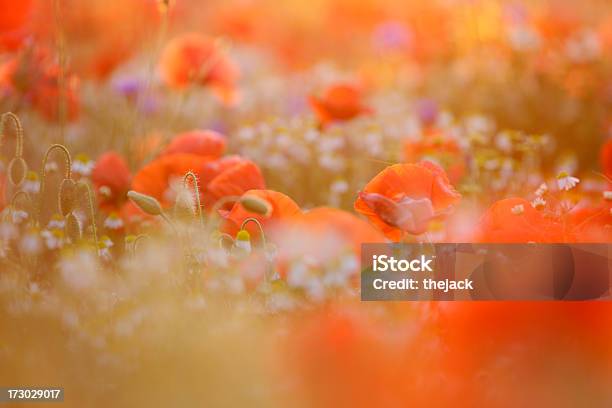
{"points": [[185, 187]]}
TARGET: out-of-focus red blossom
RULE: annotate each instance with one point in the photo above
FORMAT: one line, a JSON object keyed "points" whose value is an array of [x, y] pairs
{"points": [[111, 177], [46, 98], [282, 209], [450, 353], [320, 233], [326, 221], [557, 22], [34, 76], [445, 150], [237, 180], [342, 356], [201, 142], [591, 223], [106, 31], [478, 334], [515, 220], [232, 175], [196, 59], [155, 177], [606, 159], [13, 21], [406, 197], [339, 102]]}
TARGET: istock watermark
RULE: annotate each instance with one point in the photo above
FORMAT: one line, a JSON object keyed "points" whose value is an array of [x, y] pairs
{"points": [[543, 272]]}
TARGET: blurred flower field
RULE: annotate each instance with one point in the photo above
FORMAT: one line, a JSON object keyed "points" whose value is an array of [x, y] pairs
{"points": [[185, 187]]}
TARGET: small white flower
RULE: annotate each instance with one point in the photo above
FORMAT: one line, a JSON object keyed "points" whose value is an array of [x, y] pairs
{"points": [[31, 186], [243, 244], [113, 222], [607, 195], [518, 209], [105, 191], [53, 239], [82, 166], [339, 187], [566, 182], [538, 203], [19, 216], [541, 190], [56, 223]]}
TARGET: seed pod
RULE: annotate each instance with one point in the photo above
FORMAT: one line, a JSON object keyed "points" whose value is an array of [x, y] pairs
{"points": [[17, 170], [73, 228], [146, 203], [256, 205], [67, 196]]}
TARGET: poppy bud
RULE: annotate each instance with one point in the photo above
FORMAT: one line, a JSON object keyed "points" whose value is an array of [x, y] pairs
{"points": [[146, 203], [17, 170], [73, 228], [67, 196], [256, 205]]}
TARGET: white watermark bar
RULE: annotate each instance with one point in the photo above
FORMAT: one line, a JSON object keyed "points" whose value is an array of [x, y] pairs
{"points": [[521, 272], [31, 394]]}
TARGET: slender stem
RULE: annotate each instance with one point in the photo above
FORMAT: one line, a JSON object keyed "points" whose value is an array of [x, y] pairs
{"points": [[61, 80], [136, 241], [67, 171], [261, 231], [92, 212], [169, 221]]}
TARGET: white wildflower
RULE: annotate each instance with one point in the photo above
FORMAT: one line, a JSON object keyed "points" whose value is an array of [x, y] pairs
{"points": [[541, 190], [538, 203], [566, 182]]}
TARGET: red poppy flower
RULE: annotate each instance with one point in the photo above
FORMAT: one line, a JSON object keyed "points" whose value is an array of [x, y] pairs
{"points": [[99, 49], [154, 178], [405, 197], [283, 208], [606, 158], [339, 102], [111, 176], [326, 221], [515, 220], [446, 151], [196, 59], [591, 223], [217, 178], [236, 180], [201, 142], [322, 234], [34, 76], [14, 16]]}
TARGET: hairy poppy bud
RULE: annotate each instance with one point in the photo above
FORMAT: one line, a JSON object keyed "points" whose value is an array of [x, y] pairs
{"points": [[146, 203], [67, 196], [256, 205]]}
